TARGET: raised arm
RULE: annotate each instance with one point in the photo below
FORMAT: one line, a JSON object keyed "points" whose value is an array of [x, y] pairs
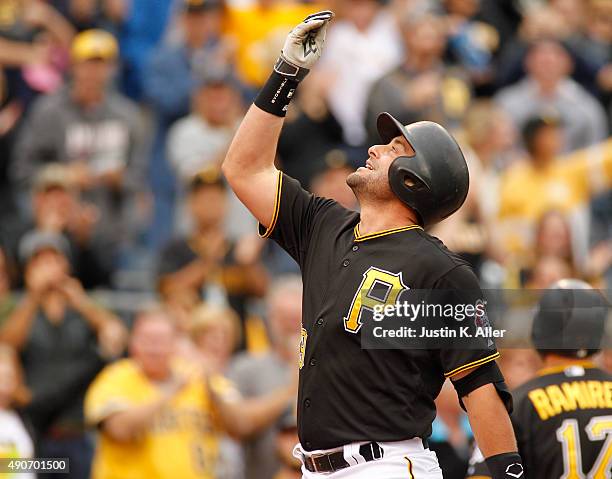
{"points": [[249, 164]]}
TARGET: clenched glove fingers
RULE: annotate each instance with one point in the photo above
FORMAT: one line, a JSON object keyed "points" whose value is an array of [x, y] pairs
{"points": [[304, 44]]}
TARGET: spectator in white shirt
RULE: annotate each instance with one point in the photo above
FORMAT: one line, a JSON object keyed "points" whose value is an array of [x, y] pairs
{"points": [[361, 46], [549, 90], [200, 140]]}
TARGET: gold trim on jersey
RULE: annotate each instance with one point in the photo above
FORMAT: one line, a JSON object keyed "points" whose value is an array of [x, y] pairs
{"points": [[277, 198], [378, 234], [587, 364], [473, 364]]}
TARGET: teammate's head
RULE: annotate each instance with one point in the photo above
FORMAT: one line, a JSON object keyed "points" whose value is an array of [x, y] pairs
{"points": [[570, 320], [152, 342], [421, 166]]}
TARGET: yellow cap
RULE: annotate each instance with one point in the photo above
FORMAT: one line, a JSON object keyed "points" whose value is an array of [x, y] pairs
{"points": [[94, 45]]}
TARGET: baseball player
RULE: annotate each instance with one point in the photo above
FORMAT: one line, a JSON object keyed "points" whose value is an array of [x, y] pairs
{"points": [[367, 413], [563, 417]]}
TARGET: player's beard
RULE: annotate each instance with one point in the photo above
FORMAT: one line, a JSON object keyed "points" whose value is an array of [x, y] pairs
{"points": [[370, 186]]}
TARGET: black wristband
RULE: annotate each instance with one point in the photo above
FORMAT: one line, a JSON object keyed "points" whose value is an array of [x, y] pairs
{"points": [[276, 94], [508, 465]]}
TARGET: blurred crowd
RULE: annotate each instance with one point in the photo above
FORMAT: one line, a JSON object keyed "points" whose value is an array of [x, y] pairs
{"points": [[146, 331]]}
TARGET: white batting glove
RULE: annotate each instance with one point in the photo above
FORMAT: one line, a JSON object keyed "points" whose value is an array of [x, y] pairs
{"points": [[304, 46]]}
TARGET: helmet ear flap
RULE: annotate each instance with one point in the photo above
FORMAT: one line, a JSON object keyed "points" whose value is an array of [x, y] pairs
{"points": [[413, 182], [409, 187]]}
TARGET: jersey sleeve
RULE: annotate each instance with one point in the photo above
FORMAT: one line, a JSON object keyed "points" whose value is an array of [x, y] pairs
{"points": [[106, 395], [456, 358], [295, 211]]}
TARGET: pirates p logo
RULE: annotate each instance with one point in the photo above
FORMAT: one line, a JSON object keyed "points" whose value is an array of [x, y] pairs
{"points": [[378, 287]]}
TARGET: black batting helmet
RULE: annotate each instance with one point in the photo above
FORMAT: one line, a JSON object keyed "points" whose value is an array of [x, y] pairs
{"points": [[570, 320], [435, 181]]}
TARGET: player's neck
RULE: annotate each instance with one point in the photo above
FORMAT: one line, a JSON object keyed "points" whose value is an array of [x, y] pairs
{"points": [[376, 217]]}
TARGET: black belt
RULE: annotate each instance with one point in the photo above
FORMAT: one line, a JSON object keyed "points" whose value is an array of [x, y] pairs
{"points": [[334, 461]]}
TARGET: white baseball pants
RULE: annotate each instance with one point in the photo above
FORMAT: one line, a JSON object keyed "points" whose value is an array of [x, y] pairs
{"points": [[401, 460]]}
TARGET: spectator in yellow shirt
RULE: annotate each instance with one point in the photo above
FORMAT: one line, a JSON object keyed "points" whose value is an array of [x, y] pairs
{"points": [[159, 418], [547, 182], [259, 31]]}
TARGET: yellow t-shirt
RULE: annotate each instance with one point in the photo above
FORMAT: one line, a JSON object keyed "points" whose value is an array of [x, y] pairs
{"points": [[527, 192], [181, 442], [260, 34]]}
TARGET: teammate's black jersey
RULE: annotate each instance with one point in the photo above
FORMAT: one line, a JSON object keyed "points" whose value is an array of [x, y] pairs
{"points": [[563, 424], [346, 393]]}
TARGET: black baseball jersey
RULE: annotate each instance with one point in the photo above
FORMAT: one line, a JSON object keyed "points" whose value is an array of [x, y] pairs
{"points": [[563, 424], [346, 393]]}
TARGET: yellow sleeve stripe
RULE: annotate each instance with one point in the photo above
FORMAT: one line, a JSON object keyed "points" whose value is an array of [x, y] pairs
{"points": [[279, 188], [478, 477], [473, 364]]}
